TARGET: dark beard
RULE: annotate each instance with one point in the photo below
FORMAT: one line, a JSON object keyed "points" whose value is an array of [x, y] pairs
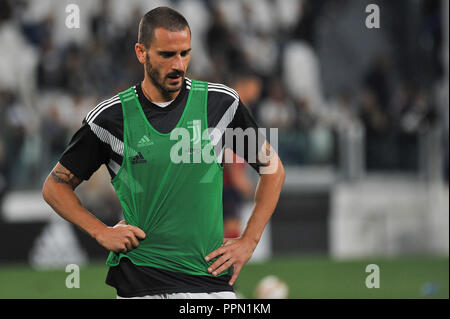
{"points": [[154, 76]]}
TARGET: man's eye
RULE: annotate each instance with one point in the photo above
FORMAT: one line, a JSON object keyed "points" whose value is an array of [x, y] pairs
{"points": [[167, 54], [185, 53]]}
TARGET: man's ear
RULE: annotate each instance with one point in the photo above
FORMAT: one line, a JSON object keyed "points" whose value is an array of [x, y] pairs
{"points": [[141, 52]]}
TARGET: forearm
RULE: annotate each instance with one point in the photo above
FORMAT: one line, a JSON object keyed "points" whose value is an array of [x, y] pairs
{"points": [[61, 197], [58, 192], [237, 252], [266, 198], [66, 204]]}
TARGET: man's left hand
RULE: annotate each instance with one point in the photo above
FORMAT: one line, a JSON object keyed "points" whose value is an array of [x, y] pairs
{"points": [[233, 252]]}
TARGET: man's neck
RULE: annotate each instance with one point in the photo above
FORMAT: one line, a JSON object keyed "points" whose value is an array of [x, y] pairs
{"points": [[154, 94]]}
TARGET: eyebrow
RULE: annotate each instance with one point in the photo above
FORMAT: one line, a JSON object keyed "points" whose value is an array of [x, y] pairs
{"points": [[173, 52]]}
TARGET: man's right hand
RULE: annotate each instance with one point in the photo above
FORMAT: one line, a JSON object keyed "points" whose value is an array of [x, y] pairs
{"points": [[121, 238], [58, 192]]}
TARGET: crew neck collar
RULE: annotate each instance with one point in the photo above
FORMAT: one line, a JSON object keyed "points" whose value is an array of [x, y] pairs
{"points": [[144, 101]]}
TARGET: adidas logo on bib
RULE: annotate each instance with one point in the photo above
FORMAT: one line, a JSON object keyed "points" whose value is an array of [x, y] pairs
{"points": [[144, 141], [138, 159]]}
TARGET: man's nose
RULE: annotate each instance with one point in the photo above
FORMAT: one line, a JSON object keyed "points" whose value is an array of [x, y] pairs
{"points": [[178, 63]]}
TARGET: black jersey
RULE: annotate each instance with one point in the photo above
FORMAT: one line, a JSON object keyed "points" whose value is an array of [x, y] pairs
{"points": [[100, 141]]}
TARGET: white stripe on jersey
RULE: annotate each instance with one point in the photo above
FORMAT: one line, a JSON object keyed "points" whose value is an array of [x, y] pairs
{"points": [[217, 86], [223, 91], [224, 87], [217, 90], [114, 166], [99, 107], [226, 119], [104, 107], [217, 133], [108, 138]]}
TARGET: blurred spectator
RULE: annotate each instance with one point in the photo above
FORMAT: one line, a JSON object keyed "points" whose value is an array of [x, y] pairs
{"points": [[377, 80], [344, 113], [3, 182], [431, 35], [301, 74], [287, 15], [446, 159], [382, 116], [39, 32], [237, 186], [416, 119], [375, 120], [222, 46], [418, 115], [49, 74], [248, 86], [103, 28], [18, 58], [376, 127], [277, 110], [305, 29], [13, 131], [256, 36], [78, 110], [262, 52], [74, 75], [54, 132]]}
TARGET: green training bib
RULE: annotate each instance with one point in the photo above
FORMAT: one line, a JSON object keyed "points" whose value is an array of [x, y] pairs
{"points": [[177, 204]]}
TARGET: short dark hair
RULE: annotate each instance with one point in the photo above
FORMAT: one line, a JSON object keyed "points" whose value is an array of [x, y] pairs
{"points": [[161, 17]]}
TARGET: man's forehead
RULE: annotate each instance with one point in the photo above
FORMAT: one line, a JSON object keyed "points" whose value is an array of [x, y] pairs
{"points": [[164, 38]]}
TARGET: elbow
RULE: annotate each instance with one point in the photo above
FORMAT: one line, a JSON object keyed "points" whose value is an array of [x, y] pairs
{"points": [[46, 191], [282, 174]]}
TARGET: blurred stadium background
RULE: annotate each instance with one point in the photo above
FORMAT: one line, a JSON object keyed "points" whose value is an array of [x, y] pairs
{"points": [[362, 118]]}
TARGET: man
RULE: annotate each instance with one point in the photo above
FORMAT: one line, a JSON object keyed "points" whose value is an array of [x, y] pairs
{"points": [[171, 243]]}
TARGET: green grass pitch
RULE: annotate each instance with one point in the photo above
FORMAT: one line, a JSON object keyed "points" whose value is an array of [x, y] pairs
{"points": [[307, 277]]}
